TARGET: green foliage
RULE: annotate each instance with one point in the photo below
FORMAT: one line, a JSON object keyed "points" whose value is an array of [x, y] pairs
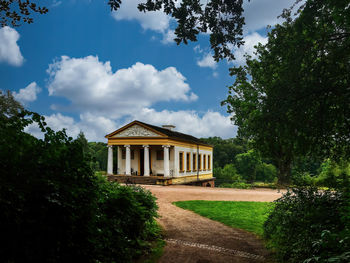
{"points": [[228, 174], [308, 224], [225, 150], [333, 174], [234, 164], [124, 222], [238, 185], [266, 172], [245, 215], [98, 154], [247, 164], [54, 209], [95, 153], [13, 11], [222, 19], [293, 103]]}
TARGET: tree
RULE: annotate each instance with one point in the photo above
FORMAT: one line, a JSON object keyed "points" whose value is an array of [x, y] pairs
{"points": [[55, 208], [247, 164], [83, 142], [225, 150], [293, 100], [12, 12], [222, 18], [9, 107]]}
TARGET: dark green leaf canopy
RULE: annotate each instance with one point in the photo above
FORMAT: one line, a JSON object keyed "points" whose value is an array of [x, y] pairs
{"points": [[294, 99]]}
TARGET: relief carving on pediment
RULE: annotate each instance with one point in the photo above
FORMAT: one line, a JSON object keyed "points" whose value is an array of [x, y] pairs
{"points": [[136, 131]]}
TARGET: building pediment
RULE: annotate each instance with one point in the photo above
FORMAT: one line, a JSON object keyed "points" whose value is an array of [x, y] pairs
{"points": [[136, 130]]}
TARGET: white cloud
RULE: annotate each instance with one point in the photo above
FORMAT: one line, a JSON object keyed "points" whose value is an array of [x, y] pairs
{"points": [[28, 94], [96, 127], [56, 3], [168, 37], [207, 61], [91, 86], [190, 122], [157, 21], [9, 50], [260, 13], [248, 47]]}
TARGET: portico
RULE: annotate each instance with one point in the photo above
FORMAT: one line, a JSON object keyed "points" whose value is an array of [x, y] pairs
{"points": [[142, 160], [144, 150]]}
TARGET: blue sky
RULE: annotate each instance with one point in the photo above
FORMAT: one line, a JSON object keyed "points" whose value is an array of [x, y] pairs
{"points": [[87, 69]]}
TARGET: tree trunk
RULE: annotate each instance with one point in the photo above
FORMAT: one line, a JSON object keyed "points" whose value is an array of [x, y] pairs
{"points": [[284, 172]]}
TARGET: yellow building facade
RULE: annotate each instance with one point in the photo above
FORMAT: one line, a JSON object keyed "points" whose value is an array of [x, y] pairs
{"points": [[161, 153]]}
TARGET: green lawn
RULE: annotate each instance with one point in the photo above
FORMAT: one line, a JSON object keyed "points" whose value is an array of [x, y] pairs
{"points": [[245, 215]]}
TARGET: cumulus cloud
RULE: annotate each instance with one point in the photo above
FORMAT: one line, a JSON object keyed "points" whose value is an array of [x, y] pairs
{"points": [[168, 37], [92, 86], [96, 127], [259, 14], [190, 122], [28, 94], [157, 21], [207, 61], [9, 50], [248, 47]]}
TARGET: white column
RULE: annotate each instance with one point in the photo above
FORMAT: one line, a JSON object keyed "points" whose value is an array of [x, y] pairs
{"points": [[166, 160], [127, 160], [110, 160], [146, 160]]}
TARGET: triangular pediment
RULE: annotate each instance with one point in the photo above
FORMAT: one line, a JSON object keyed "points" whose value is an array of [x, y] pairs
{"points": [[136, 130]]}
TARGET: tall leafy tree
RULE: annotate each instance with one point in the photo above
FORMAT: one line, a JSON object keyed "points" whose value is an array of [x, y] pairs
{"points": [[294, 98]]}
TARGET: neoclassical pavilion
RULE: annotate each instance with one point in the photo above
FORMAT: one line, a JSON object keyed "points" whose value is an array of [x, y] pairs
{"points": [[167, 156]]}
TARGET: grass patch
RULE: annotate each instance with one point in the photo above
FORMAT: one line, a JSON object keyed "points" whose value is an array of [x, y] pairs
{"points": [[249, 216]]}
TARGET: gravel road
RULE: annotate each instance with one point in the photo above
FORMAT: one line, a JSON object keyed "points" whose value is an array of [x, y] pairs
{"points": [[192, 238]]}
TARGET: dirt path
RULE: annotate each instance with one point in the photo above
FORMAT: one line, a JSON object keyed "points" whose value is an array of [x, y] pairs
{"points": [[192, 238]]}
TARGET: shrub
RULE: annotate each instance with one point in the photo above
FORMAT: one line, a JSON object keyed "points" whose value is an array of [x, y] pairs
{"points": [[303, 179], [333, 174], [239, 185], [298, 221], [227, 175], [125, 221]]}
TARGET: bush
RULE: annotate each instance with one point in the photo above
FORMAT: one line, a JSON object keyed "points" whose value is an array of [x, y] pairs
{"points": [[227, 175], [333, 174], [125, 222], [239, 185], [299, 220], [304, 179], [54, 209]]}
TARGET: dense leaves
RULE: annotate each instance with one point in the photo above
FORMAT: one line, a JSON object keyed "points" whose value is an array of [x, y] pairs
{"points": [[225, 150], [221, 18], [311, 225], [293, 100], [12, 12], [95, 153], [53, 207]]}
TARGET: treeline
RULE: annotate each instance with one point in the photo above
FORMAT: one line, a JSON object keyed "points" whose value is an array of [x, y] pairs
{"points": [[95, 152], [237, 164]]}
